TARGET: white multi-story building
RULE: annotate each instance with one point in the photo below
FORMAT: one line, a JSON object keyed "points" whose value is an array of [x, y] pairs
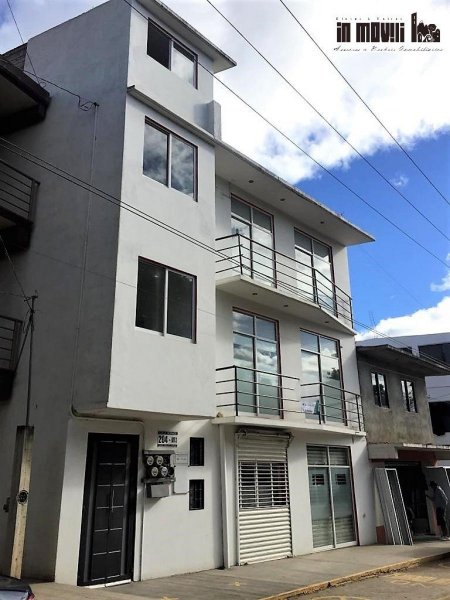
{"points": [[202, 331]]}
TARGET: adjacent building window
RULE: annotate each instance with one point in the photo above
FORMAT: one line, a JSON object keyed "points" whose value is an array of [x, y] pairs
{"points": [[171, 54], [440, 352], [197, 452], [321, 376], [169, 159], [196, 494], [379, 387], [165, 300], [409, 397]]}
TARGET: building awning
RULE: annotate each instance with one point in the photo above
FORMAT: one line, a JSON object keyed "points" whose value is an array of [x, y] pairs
{"points": [[403, 360], [255, 180], [390, 451], [23, 102]]}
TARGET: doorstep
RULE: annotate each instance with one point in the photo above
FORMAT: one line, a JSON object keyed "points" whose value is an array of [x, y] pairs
{"points": [[273, 580]]}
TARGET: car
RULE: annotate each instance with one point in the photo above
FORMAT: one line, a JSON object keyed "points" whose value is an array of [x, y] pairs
{"points": [[15, 589]]}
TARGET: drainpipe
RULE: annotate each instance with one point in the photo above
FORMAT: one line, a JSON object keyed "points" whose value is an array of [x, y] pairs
{"points": [[225, 497]]}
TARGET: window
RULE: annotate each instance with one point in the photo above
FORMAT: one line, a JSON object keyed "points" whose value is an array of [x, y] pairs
{"points": [[314, 270], [169, 159], [321, 376], [380, 392], [255, 230], [171, 54], [165, 300], [196, 494], [263, 484], [197, 452], [409, 397], [256, 353]]}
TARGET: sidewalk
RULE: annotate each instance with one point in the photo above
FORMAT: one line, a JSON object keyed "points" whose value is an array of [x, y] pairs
{"points": [[280, 579]]}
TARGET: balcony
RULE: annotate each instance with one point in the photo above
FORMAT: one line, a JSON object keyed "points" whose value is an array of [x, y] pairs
{"points": [[249, 269], [9, 352], [18, 193], [255, 397]]}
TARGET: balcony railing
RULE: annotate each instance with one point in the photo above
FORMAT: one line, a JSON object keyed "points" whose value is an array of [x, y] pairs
{"points": [[17, 193], [9, 352], [244, 391], [240, 255]]}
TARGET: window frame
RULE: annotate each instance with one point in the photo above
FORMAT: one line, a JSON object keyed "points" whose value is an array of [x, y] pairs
{"points": [[170, 134], [406, 402], [167, 269], [173, 40], [199, 451], [192, 496], [377, 396]]}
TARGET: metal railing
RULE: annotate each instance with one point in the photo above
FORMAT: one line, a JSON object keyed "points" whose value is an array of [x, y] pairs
{"points": [[18, 192], [238, 254], [244, 391], [9, 342]]}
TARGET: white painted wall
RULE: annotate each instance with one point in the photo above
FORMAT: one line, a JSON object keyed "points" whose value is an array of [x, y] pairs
{"points": [[169, 537], [302, 542]]}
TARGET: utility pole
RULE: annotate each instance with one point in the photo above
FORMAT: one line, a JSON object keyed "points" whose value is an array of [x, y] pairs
{"points": [[20, 484]]}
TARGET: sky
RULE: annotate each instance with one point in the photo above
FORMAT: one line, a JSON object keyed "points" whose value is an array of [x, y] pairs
{"points": [[398, 288]]}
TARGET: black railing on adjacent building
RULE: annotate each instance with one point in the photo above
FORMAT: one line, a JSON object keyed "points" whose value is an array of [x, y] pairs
{"points": [[245, 391], [238, 254], [18, 193]]}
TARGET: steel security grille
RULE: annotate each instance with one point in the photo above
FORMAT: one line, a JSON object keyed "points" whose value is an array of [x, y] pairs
{"points": [[264, 522]]}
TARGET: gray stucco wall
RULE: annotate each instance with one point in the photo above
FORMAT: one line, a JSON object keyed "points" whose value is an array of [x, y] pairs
{"points": [[88, 55], [394, 424]]}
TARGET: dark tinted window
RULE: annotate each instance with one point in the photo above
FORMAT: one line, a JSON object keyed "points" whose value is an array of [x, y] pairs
{"points": [[440, 352], [197, 452], [158, 45], [150, 296], [180, 304], [196, 494]]}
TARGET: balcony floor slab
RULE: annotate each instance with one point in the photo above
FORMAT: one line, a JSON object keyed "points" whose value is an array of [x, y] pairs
{"points": [[290, 424]]}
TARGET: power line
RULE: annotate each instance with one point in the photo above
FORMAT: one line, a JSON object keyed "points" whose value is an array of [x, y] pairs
{"points": [[400, 146], [290, 140], [113, 200], [16, 277], [20, 35], [301, 95]]}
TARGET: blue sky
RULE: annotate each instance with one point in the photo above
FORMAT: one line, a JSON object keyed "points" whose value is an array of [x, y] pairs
{"points": [[409, 91], [380, 292]]}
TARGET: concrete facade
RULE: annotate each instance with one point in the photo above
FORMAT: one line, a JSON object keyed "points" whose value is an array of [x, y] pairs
{"points": [[95, 371]]}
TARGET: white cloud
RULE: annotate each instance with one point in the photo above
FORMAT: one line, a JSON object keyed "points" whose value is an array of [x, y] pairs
{"points": [[435, 319], [443, 286], [407, 90], [400, 181]]}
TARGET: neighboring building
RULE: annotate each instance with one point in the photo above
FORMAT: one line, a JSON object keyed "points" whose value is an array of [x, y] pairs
{"points": [[400, 439], [437, 347], [157, 357]]}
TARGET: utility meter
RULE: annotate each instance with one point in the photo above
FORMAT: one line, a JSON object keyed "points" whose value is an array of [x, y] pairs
{"points": [[159, 471]]}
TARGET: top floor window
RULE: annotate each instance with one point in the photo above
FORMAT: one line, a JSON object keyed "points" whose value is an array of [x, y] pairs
{"points": [[314, 270], [439, 352], [170, 53]]}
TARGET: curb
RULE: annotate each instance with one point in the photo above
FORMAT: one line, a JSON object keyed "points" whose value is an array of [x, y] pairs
{"points": [[323, 585]]}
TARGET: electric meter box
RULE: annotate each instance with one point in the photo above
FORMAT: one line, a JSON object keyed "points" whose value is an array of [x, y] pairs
{"points": [[159, 472]]}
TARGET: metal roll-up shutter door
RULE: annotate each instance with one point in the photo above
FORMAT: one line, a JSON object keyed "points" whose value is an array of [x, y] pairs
{"points": [[264, 520]]}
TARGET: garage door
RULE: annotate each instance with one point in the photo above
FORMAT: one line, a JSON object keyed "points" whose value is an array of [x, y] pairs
{"points": [[264, 520]]}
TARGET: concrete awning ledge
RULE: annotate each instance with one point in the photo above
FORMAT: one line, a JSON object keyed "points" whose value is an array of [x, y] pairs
{"points": [[405, 361]]}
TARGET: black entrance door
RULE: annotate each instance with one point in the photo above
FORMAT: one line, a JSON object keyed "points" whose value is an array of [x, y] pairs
{"points": [[109, 509]]}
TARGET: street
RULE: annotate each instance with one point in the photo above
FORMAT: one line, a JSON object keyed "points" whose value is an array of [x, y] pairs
{"points": [[430, 581]]}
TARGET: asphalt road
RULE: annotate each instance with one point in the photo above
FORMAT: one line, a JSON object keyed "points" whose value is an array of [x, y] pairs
{"points": [[430, 582]]}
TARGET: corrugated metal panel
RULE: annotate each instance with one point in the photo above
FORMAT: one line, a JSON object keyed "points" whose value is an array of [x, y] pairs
{"points": [[264, 520]]}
